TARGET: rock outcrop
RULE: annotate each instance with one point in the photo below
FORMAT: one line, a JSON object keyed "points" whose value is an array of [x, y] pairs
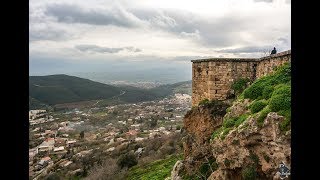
{"points": [[199, 124], [249, 146], [249, 151]]}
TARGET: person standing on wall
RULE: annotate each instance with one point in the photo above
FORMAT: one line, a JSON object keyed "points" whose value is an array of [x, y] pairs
{"points": [[274, 51]]}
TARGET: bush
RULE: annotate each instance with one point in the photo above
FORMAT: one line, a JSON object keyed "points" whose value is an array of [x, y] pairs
{"points": [[281, 76], [239, 85], [127, 160], [225, 132], [257, 106], [280, 102], [282, 89], [205, 169], [285, 125], [241, 119], [255, 90], [204, 102], [263, 114], [249, 173], [229, 123], [216, 133], [267, 92]]}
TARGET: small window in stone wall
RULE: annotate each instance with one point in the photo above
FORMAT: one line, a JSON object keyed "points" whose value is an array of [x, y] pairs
{"points": [[216, 91], [216, 79], [207, 72]]}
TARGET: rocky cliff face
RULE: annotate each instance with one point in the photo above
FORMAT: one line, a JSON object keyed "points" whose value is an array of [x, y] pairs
{"points": [[247, 151], [251, 151], [199, 124]]}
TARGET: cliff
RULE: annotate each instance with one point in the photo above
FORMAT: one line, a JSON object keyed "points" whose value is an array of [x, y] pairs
{"points": [[247, 138]]}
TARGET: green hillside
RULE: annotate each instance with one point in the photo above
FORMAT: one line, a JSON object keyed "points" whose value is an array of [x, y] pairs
{"points": [[56, 89], [169, 89], [59, 89]]}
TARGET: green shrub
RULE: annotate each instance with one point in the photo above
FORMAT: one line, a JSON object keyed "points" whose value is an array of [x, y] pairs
{"points": [[205, 167], [263, 114], [227, 162], [204, 102], [229, 123], [241, 119], [282, 89], [255, 90], [280, 102], [127, 160], [285, 113], [267, 92], [281, 76], [285, 124], [225, 132], [249, 173], [256, 106], [239, 85], [266, 157], [217, 132]]}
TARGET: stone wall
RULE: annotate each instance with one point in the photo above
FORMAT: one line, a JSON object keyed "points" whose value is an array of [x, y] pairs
{"points": [[267, 64], [212, 78]]}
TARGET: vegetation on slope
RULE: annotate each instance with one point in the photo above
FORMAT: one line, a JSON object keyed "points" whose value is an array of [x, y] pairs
{"points": [[170, 89], [270, 93], [157, 170], [59, 89]]}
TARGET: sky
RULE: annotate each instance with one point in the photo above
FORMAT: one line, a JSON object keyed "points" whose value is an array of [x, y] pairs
{"points": [[72, 36]]}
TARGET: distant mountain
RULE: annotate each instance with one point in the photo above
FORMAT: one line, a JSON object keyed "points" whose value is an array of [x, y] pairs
{"points": [[170, 89], [59, 89]]}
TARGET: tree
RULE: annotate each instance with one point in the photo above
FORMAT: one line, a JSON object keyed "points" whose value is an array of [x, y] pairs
{"points": [[153, 123], [82, 134], [127, 160]]}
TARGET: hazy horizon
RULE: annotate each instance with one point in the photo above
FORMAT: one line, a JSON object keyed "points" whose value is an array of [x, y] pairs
{"points": [[150, 40]]}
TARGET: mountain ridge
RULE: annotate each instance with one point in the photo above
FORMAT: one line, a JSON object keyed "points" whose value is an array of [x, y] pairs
{"points": [[61, 88]]}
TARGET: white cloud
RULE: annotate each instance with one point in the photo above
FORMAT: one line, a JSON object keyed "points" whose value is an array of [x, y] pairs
{"points": [[125, 29]]}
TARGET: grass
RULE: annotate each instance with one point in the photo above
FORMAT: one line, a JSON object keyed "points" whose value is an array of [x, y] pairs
{"points": [[239, 85], [157, 170], [270, 93]]}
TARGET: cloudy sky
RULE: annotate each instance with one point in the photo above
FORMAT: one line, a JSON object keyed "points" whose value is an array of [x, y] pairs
{"points": [[68, 36]]}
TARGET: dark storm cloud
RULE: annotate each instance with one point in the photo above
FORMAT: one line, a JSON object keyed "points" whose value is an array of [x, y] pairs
{"points": [[100, 49], [75, 14]]}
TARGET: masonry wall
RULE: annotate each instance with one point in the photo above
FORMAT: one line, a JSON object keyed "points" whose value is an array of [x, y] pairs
{"points": [[269, 63], [212, 78]]}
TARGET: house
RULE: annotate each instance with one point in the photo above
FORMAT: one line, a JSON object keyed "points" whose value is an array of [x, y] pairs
{"points": [[120, 139], [71, 143], [139, 139], [44, 161], [60, 142], [32, 153], [46, 145], [131, 134], [58, 149], [65, 163], [110, 149]]}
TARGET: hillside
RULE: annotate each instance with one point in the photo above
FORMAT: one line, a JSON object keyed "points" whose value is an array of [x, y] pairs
{"points": [[60, 89], [243, 138], [169, 89]]}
